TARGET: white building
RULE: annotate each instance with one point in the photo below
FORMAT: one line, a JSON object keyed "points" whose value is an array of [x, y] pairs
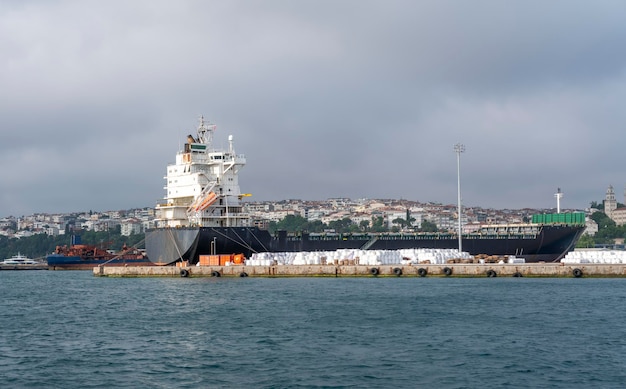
{"points": [[591, 227], [131, 226]]}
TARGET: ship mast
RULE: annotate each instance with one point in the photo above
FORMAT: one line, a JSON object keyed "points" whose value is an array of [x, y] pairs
{"points": [[558, 196], [205, 132]]}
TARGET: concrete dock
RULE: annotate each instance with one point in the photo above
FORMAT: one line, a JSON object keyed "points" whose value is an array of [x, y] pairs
{"points": [[426, 270]]}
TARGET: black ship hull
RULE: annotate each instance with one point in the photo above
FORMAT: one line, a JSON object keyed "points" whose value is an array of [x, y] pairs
{"points": [[165, 246]]}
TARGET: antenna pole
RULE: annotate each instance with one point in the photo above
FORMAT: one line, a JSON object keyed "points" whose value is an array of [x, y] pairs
{"points": [[458, 149]]}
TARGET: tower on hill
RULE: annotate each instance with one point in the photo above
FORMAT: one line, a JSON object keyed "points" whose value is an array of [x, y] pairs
{"points": [[610, 204]]}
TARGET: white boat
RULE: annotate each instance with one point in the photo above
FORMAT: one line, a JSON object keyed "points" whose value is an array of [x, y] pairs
{"points": [[19, 259]]}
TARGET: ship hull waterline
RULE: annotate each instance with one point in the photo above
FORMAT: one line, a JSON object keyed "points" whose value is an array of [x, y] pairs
{"points": [[62, 262], [168, 245]]}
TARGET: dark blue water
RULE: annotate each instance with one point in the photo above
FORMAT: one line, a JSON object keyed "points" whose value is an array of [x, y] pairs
{"points": [[72, 330]]}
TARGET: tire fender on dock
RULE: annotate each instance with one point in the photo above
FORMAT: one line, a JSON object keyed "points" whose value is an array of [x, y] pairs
{"points": [[422, 272], [518, 274], [397, 271], [243, 274], [184, 273], [491, 273], [215, 273], [447, 271], [374, 271], [577, 273]]}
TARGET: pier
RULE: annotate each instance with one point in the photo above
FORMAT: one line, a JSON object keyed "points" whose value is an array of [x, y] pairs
{"points": [[426, 270]]}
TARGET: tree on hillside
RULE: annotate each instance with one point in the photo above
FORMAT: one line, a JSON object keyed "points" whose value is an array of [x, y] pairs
{"points": [[296, 223], [407, 222], [586, 241], [378, 224], [315, 226], [428, 226], [399, 222], [409, 219], [607, 235], [344, 225], [290, 223], [602, 220]]}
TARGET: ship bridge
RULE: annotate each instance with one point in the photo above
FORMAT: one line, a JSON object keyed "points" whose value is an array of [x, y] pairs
{"points": [[202, 186]]}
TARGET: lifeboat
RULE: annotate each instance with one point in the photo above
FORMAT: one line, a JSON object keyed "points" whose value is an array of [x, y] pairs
{"points": [[206, 202]]}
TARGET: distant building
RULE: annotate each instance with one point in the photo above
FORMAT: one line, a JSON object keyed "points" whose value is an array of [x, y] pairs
{"points": [[147, 224], [23, 234], [53, 231], [610, 204], [618, 215], [591, 227], [6, 224], [131, 227]]}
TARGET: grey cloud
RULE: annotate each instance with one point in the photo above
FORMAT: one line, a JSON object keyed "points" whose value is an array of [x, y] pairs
{"points": [[326, 99]]}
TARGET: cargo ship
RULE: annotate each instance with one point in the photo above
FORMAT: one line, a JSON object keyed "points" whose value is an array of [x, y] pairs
{"points": [[203, 214], [79, 256]]}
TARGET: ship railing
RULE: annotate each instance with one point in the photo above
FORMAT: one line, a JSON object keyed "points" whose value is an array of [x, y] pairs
{"points": [[369, 243], [374, 237]]}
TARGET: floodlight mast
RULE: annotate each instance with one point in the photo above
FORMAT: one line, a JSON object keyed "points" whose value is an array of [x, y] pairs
{"points": [[458, 149]]}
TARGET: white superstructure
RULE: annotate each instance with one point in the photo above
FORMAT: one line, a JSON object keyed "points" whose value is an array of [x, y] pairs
{"points": [[19, 259], [202, 186]]}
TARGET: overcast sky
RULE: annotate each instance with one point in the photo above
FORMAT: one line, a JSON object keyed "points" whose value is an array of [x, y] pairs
{"points": [[360, 99]]}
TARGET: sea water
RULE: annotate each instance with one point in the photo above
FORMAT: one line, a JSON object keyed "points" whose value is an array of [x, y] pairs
{"points": [[69, 329]]}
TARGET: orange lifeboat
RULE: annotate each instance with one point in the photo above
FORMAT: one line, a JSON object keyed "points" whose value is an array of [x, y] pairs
{"points": [[206, 202]]}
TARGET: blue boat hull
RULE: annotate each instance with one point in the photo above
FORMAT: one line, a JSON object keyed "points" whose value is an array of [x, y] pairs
{"points": [[64, 262]]}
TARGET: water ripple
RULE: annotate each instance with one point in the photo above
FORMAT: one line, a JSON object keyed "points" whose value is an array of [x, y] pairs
{"points": [[71, 330]]}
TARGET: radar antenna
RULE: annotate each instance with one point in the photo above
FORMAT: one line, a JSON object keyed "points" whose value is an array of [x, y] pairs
{"points": [[205, 131]]}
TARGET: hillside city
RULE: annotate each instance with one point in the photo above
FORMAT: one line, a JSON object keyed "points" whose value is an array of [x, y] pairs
{"points": [[136, 221]]}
